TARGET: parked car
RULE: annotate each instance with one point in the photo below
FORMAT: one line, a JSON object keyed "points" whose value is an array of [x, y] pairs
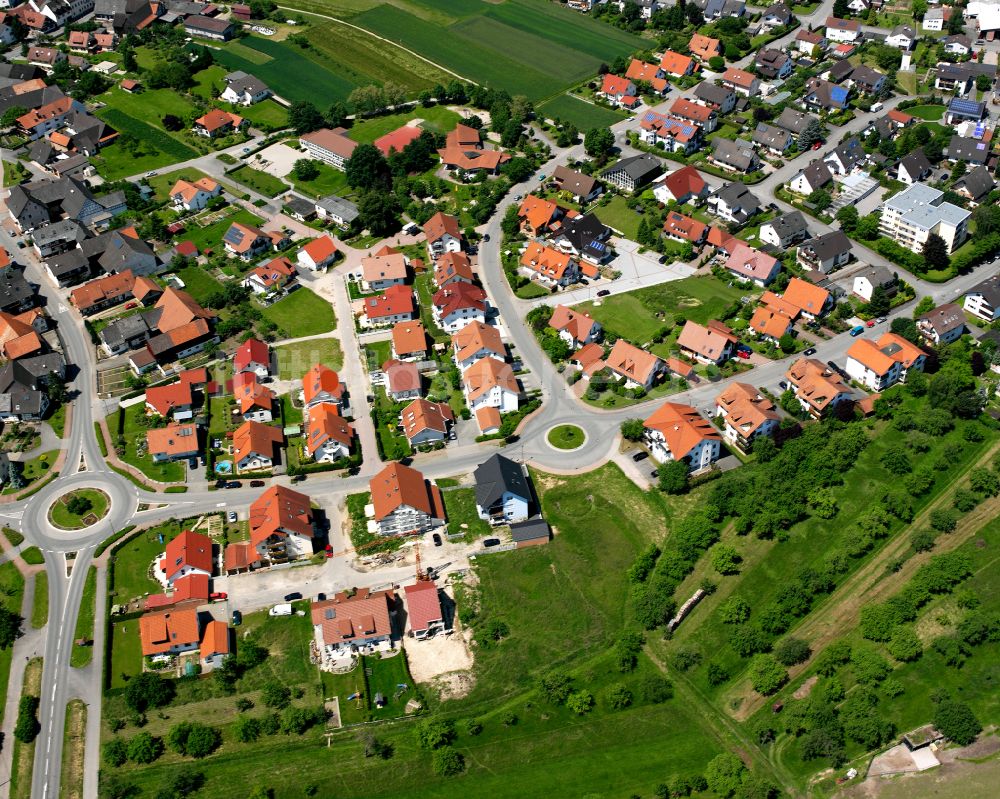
{"points": [[870, 323], [783, 385], [881, 320], [857, 330], [437, 540], [298, 478], [237, 618], [655, 473], [744, 354], [231, 516], [218, 595], [810, 351], [603, 292], [486, 237], [491, 542], [130, 305], [234, 484], [292, 596], [256, 484], [640, 456], [220, 483]]}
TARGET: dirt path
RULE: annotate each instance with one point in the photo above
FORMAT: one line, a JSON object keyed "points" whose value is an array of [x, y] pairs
{"points": [[871, 583]]}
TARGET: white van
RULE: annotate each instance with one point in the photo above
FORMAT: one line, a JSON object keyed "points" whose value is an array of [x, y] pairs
{"points": [[876, 107], [281, 610]]}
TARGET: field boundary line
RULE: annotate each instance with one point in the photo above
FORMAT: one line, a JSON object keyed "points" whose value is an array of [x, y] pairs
{"points": [[381, 39]]}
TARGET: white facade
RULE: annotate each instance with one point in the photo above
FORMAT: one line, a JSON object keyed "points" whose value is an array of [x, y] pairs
{"points": [[913, 215], [869, 378], [497, 397], [458, 319], [703, 455]]}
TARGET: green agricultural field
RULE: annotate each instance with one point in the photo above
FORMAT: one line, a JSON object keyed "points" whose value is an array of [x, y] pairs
{"points": [[287, 69], [436, 118], [295, 359], [114, 162], [633, 315], [261, 182], [575, 111], [302, 313]]}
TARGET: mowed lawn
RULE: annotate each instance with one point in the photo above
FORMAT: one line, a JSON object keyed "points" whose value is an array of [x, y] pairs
{"points": [[634, 314], [198, 283], [295, 359], [210, 235], [12, 597], [329, 181], [436, 118], [931, 113], [267, 114], [302, 313], [618, 216], [575, 111], [260, 182]]}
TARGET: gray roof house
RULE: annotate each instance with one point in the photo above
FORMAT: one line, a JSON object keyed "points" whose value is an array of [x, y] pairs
{"points": [[503, 494], [961, 148], [785, 230], [738, 155], [718, 97], [632, 173], [775, 139], [16, 293], [21, 395], [793, 121], [975, 184], [825, 253]]}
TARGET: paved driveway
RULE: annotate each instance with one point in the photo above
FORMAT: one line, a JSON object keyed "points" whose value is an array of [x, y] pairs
{"points": [[277, 160]]}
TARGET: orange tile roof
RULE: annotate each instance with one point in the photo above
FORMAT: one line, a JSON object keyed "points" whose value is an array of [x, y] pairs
{"points": [[766, 321], [684, 227], [159, 632], [409, 337], [687, 110], [188, 550], [682, 428], [397, 139], [423, 605], [240, 555], [320, 249], [362, 616], [487, 373], [707, 341], [488, 419], [615, 85], [746, 408], [192, 588], [398, 485], [255, 437], [280, 511], [453, 266], [215, 639], [421, 415], [326, 424], [475, 337], [173, 440], [779, 305], [321, 379], [704, 46], [537, 213], [589, 354], [546, 261], [179, 308], [164, 399], [631, 362], [739, 77], [275, 272], [456, 296], [22, 346], [252, 395], [401, 376], [640, 70], [899, 349], [806, 296], [676, 64], [577, 323], [217, 118], [441, 224], [817, 384], [393, 301], [375, 268], [144, 286]]}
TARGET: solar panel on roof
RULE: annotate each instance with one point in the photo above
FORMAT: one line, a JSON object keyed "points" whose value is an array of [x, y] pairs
{"points": [[964, 106]]}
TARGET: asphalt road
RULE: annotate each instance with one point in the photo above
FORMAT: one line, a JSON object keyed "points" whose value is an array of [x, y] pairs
{"points": [[84, 464]]}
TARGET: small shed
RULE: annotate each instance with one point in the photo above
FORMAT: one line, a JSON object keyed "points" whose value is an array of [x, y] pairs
{"points": [[530, 533]]}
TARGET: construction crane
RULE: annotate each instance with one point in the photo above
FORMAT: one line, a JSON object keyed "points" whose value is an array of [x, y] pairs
{"points": [[421, 575]]}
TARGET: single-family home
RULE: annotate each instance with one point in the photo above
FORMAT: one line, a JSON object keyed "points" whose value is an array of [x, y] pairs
{"points": [[255, 446], [582, 188], [735, 156], [962, 110], [684, 185], [209, 27], [395, 304], [825, 253], [218, 123], [442, 234], [704, 47], [902, 37], [771, 138], [174, 442], [935, 18], [872, 277], [426, 422], [983, 299], [773, 64], [167, 633], [618, 91], [453, 267], [734, 203], [776, 15], [423, 609], [912, 168], [879, 365], [651, 74], [402, 380], [785, 230], [243, 89], [638, 368], [710, 343], [538, 216], [957, 45], [253, 356], [463, 151], [795, 122], [186, 554], [973, 151], [318, 254], [747, 415], [955, 78], [246, 242], [811, 301], [770, 323], [329, 436], [942, 325], [476, 341], [975, 185], [677, 432], [752, 265], [171, 401], [809, 179], [409, 341], [548, 266], [491, 383], [683, 228], [671, 134], [270, 278], [194, 196], [404, 502], [809, 42], [320, 385], [254, 402], [817, 387], [458, 304], [720, 99], [379, 272], [576, 328], [349, 624], [676, 65], [503, 493], [282, 525], [702, 116], [843, 30], [741, 82], [822, 95]]}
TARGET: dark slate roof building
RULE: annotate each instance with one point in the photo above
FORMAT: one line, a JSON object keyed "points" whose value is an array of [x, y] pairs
{"points": [[961, 148], [16, 293], [502, 490], [586, 236], [634, 172], [975, 184]]}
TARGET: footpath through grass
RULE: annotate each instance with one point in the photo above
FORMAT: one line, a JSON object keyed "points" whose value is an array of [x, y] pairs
{"points": [[12, 597]]}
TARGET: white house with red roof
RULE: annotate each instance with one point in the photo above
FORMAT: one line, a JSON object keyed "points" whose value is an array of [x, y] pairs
{"points": [[676, 432], [187, 554], [457, 305], [174, 400], [681, 186], [393, 305], [752, 265], [270, 278], [321, 384], [423, 609], [576, 328], [253, 356], [318, 254], [281, 524], [351, 624], [619, 91]]}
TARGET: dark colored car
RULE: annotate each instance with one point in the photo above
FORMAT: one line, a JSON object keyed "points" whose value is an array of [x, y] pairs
{"points": [[298, 478], [221, 483], [256, 484], [603, 292], [640, 456], [292, 596], [437, 540], [491, 542], [237, 618], [234, 484], [810, 351]]}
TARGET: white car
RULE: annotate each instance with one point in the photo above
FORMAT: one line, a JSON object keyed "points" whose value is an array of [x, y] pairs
{"points": [[231, 516]]}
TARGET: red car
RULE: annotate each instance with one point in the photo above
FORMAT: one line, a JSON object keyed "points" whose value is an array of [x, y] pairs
{"points": [[218, 595], [817, 145], [129, 306], [744, 354], [870, 323]]}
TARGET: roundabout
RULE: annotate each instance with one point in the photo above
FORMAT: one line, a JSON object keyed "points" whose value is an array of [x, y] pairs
{"points": [[566, 437], [79, 509]]}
